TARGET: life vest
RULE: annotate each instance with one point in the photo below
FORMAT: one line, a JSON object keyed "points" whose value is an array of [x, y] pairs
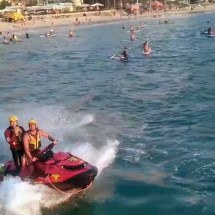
{"points": [[34, 142]]}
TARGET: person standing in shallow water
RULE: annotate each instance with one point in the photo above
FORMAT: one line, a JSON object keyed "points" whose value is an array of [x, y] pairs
{"points": [[14, 137]]}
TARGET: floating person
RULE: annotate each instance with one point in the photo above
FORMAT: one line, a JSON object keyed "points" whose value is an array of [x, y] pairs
{"points": [[146, 49], [71, 33], [52, 31], [14, 38], [142, 25], [5, 41], [124, 54], [27, 35], [131, 29], [47, 34], [166, 21], [210, 33], [132, 37]]}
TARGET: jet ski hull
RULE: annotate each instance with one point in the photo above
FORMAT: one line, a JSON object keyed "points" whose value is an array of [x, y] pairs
{"points": [[59, 170]]}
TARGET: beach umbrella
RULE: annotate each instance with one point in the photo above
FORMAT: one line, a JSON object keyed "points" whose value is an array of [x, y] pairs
{"points": [[139, 4], [14, 16], [97, 5], [84, 5], [10, 9], [7, 9]]}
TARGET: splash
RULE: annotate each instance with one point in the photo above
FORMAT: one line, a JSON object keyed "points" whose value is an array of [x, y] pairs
{"points": [[107, 154], [19, 198], [100, 157]]}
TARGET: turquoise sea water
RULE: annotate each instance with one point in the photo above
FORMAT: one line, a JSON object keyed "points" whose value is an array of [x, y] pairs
{"points": [[148, 123]]}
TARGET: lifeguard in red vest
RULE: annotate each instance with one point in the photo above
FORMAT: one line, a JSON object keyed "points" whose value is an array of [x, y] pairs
{"points": [[14, 136]]}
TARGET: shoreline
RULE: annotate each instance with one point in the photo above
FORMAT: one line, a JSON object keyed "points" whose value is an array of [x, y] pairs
{"points": [[69, 20]]}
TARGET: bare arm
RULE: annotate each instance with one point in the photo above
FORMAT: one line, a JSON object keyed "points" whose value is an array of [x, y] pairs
{"points": [[26, 146], [46, 135]]}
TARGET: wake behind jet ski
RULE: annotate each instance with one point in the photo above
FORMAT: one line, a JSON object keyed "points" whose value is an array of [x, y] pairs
{"points": [[59, 170]]}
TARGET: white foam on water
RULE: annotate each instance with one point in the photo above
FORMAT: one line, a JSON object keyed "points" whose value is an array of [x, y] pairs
{"points": [[107, 154], [84, 121], [100, 157], [19, 198]]}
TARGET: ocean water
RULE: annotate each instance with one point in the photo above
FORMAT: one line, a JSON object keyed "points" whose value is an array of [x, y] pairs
{"points": [[148, 124]]}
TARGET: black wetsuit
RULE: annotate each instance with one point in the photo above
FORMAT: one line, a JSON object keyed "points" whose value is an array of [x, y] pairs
{"points": [[124, 54], [209, 31]]}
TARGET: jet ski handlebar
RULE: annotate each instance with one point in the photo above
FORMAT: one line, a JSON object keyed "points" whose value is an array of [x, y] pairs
{"points": [[49, 147], [46, 153]]}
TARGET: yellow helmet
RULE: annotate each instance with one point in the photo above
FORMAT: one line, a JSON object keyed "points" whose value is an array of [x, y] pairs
{"points": [[32, 121], [13, 118]]}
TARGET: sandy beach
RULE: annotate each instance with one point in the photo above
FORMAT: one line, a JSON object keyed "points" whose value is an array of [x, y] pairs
{"points": [[51, 21]]}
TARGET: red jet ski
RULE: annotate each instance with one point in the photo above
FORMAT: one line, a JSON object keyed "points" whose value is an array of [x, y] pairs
{"points": [[60, 170]]}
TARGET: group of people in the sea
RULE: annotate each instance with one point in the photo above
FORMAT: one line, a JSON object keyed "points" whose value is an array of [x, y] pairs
{"points": [[52, 33], [164, 21], [146, 49], [25, 144], [7, 37]]}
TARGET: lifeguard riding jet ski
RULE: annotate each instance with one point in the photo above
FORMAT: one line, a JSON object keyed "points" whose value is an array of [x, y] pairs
{"points": [[60, 170]]}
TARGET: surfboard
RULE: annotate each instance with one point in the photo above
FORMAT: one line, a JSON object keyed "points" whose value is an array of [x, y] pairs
{"points": [[210, 35], [52, 35], [118, 57], [146, 53]]}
